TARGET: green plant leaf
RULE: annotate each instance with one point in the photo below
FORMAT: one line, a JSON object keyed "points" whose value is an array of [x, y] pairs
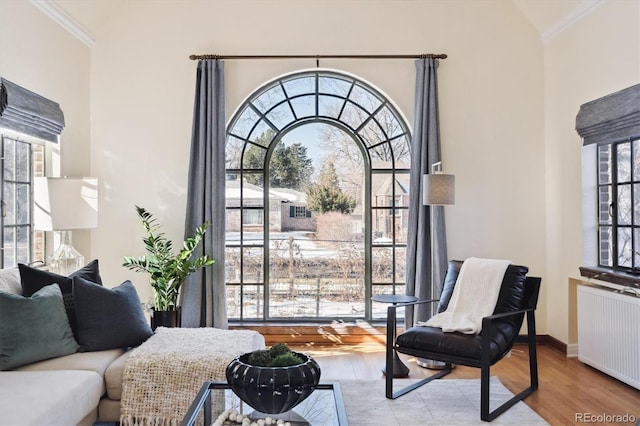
{"points": [[166, 269]]}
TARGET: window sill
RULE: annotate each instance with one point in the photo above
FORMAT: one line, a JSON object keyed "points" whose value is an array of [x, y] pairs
{"points": [[608, 275]]}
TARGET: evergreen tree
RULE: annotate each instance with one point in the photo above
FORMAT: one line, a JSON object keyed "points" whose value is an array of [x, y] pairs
{"points": [[254, 159], [290, 167], [326, 195]]}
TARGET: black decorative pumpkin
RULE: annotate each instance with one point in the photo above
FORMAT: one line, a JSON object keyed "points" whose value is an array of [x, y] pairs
{"points": [[273, 390]]}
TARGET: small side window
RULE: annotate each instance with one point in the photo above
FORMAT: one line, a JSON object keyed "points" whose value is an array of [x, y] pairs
{"points": [[22, 159], [618, 180]]}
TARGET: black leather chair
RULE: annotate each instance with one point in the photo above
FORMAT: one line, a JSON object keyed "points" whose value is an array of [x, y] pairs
{"points": [[518, 296]]}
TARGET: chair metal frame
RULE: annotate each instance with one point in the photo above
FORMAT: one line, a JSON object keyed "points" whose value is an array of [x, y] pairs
{"points": [[532, 286]]}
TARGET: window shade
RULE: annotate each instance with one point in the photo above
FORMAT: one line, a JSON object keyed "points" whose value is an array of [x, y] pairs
{"points": [[27, 112], [612, 118]]}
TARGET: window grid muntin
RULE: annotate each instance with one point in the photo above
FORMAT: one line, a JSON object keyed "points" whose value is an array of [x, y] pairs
{"points": [[34, 242], [10, 190], [299, 211], [365, 146], [610, 181], [347, 99]]}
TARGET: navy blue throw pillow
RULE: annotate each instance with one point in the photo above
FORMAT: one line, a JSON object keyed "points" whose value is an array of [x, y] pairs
{"points": [[108, 318]]}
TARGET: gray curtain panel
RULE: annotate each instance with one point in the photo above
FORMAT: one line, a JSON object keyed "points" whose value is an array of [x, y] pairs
{"points": [[425, 150], [203, 296]]}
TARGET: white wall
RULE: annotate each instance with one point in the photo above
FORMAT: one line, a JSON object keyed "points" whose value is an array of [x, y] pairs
{"points": [[508, 108], [141, 86], [491, 97], [598, 56], [38, 54]]}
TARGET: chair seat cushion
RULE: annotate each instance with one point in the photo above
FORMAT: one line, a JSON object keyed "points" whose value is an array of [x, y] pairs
{"points": [[455, 347]]}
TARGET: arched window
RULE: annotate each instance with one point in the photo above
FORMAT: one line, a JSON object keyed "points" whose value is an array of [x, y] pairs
{"points": [[317, 194]]}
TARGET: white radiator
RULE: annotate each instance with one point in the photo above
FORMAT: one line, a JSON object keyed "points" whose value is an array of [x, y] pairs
{"points": [[609, 333]]}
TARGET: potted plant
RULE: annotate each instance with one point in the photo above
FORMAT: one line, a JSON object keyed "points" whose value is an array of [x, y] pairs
{"points": [[167, 270], [274, 380]]}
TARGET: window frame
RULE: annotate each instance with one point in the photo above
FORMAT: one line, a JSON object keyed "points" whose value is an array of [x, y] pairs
{"points": [[608, 120], [299, 212], [36, 165], [393, 145], [614, 184]]}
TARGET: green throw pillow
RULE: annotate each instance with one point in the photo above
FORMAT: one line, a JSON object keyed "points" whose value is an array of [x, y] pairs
{"points": [[34, 328], [33, 279]]}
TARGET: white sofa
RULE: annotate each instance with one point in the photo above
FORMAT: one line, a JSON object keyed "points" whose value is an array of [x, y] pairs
{"points": [[79, 388], [68, 394], [76, 389]]}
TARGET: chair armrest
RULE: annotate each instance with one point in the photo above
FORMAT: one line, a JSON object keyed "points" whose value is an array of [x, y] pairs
{"points": [[391, 310], [487, 321]]}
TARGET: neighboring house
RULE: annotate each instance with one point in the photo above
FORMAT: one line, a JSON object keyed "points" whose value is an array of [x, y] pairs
{"points": [[294, 215], [390, 194], [287, 209]]}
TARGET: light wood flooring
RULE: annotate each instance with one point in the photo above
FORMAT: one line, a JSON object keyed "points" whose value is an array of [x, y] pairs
{"points": [[567, 386]]}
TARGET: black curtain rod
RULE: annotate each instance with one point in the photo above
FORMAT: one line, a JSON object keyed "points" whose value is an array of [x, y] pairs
{"points": [[424, 55]]}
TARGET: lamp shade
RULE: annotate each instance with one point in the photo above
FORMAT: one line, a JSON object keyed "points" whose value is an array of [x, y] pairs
{"points": [[65, 203], [438, 189]]}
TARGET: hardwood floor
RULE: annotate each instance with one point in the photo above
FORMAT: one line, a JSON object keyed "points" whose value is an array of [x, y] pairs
{"points": [[567, 386]]}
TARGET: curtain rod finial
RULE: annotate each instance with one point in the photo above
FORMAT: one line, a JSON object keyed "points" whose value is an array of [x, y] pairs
{"points": [[434, 55], [208, 56]]}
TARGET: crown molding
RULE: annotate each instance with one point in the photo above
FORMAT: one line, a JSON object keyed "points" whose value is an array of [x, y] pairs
{"points": [[66, 21], [579, 12]]}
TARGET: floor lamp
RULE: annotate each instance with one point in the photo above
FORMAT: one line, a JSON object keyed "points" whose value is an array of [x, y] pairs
{"points": [[438, 189], [64, 204]]}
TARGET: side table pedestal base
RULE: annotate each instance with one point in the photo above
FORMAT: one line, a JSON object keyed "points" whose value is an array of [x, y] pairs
{"points": [[399, 369]]}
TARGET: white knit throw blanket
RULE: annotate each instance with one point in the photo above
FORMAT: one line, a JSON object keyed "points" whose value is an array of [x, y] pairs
{"points": [[163, 375], [474, 296]]}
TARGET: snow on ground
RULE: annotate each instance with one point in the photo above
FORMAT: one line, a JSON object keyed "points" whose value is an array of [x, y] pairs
{"points": [[279, 242]]}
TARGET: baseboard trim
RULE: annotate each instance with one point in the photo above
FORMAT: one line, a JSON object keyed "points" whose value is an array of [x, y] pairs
{"points": [[546, 340], [556, 344], [572, 350]]}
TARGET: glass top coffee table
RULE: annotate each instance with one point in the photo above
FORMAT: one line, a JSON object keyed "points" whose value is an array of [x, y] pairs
{"points": [[324, 407]]}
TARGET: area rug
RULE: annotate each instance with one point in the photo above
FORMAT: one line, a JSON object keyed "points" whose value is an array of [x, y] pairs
{"points": [[445, 402], [442, 402]]}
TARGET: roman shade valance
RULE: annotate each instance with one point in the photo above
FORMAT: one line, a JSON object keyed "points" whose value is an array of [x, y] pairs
{"points": [[29, 113], [612, 118]]}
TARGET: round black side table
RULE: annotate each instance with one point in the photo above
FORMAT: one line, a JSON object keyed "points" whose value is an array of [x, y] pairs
{"points": [[399, 369]]}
